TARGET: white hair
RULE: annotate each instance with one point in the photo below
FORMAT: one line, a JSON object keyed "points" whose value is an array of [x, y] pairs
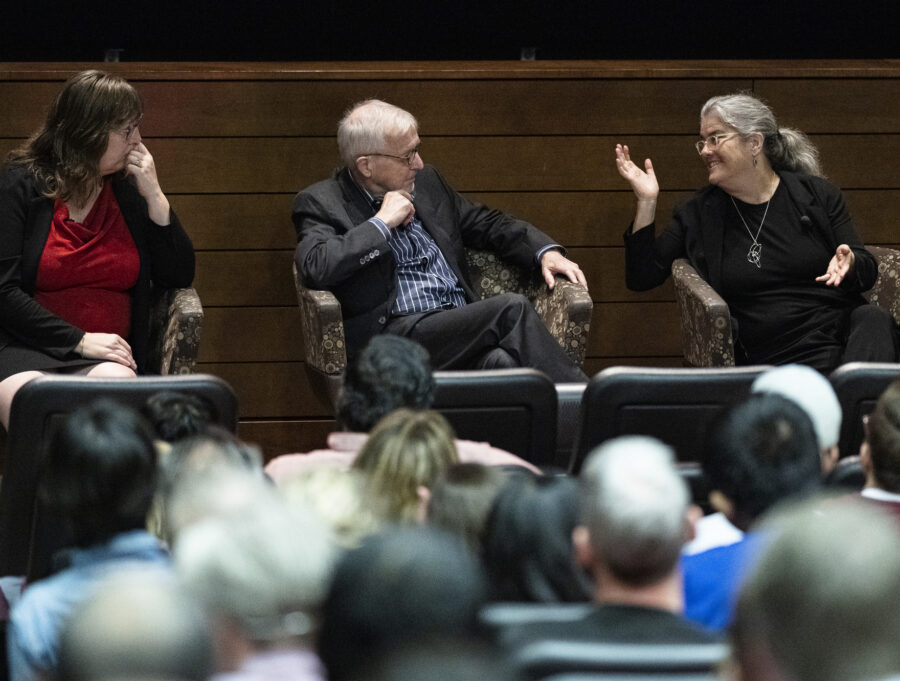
{"points": [[634, 504], [812, 392], [265, 566], [367, 124]]}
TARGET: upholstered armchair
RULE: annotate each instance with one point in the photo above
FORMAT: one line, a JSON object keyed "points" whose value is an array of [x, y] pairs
{"points": [[706, 322], [176, 321], [566, 310]]}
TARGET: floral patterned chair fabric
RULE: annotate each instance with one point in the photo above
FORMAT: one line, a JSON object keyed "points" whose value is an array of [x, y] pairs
{"points": [[176, 322], [566, 310], [706, 322]]}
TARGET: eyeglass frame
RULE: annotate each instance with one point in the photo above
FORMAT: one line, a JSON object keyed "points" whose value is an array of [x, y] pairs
{"points": [[408, 157], [719, 137], [129, 129]]}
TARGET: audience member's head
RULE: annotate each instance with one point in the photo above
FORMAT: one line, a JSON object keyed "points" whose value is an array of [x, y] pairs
{"points": [[821, 602], [190, 462], [389, 373], [461, 500], [635, 514], [100, 472], [441, 661], [760, 452], [402, 459], [880, 453], [261, 570], [138, 626], [407, 586], [341, 497], [175, 415], [528, 552], [814, 394], [200, 494]]}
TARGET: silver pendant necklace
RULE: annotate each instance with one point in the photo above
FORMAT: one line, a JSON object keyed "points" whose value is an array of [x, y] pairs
{"points": [[753, 255]]}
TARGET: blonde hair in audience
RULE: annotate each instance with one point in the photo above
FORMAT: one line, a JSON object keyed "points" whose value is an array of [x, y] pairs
{"points": [[340, 497], [406, 451]]}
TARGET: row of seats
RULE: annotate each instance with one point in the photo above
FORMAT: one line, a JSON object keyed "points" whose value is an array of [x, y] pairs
{"points": [[519, 410], [522, 411]]}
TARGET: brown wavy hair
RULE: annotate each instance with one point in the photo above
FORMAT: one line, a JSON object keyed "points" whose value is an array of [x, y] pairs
{"points": [[64, 155]]}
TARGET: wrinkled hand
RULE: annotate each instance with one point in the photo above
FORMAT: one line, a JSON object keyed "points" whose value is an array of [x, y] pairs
{"points": [[108, 346], [553, 262], [396, 209], [840, 265], [643, 182], [139, 164]]}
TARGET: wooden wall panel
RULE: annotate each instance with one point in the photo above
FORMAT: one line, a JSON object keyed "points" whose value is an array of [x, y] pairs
{"points": [[247, 222], [235, 142]]}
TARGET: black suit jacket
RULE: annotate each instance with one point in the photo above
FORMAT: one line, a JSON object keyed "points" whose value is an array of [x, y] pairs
{"points": [[339, 250], [166, 259]]}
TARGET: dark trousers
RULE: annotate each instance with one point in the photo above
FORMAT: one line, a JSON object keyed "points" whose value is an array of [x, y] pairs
{"points": [[501, 331], [871, 336]]}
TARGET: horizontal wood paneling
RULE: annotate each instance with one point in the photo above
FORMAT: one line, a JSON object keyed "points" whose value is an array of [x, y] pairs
{"points": [[271, 390], [262, 221], [235, 142]]}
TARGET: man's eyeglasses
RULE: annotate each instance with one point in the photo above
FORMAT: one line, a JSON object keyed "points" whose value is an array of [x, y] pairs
{"points": [[713, 141], [408, 158], [129, 129]]}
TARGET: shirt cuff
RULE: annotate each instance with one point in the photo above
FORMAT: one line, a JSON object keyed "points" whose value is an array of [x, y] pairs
{"points": [[540, 253], [382, 227]]}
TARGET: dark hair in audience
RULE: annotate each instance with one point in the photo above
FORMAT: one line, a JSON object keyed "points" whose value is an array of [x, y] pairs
{"points": [[175, 415], [451, 660], [461, 499], [390, 372], [402, 587], [883, 436], [528, 551], [760, 452], [100, 473]]}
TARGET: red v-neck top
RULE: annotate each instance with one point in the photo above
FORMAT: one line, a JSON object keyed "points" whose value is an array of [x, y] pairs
{"points": [[87, 269]]}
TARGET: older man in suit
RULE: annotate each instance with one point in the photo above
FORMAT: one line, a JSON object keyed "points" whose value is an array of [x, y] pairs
{"points": [[387, 235]]}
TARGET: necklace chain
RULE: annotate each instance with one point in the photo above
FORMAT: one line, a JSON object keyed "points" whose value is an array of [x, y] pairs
{"points": [[753, 255]]}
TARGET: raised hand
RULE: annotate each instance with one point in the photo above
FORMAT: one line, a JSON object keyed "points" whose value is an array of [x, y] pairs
{"points": [[643, 183]]}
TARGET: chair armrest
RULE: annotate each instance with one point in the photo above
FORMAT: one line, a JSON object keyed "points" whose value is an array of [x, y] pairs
{"points": [[323, 329], [566, 311], [705, 320], [886, 291], [176, 324]]}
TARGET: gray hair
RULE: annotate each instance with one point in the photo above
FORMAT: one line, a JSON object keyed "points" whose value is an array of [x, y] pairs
{"points": [[822, 599], [365, 126], [786, 148], [264, 566], [634, 505], [137, 625]]}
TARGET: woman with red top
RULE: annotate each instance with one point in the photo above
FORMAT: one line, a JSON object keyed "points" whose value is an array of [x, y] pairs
{"points": [[84, 231]]}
